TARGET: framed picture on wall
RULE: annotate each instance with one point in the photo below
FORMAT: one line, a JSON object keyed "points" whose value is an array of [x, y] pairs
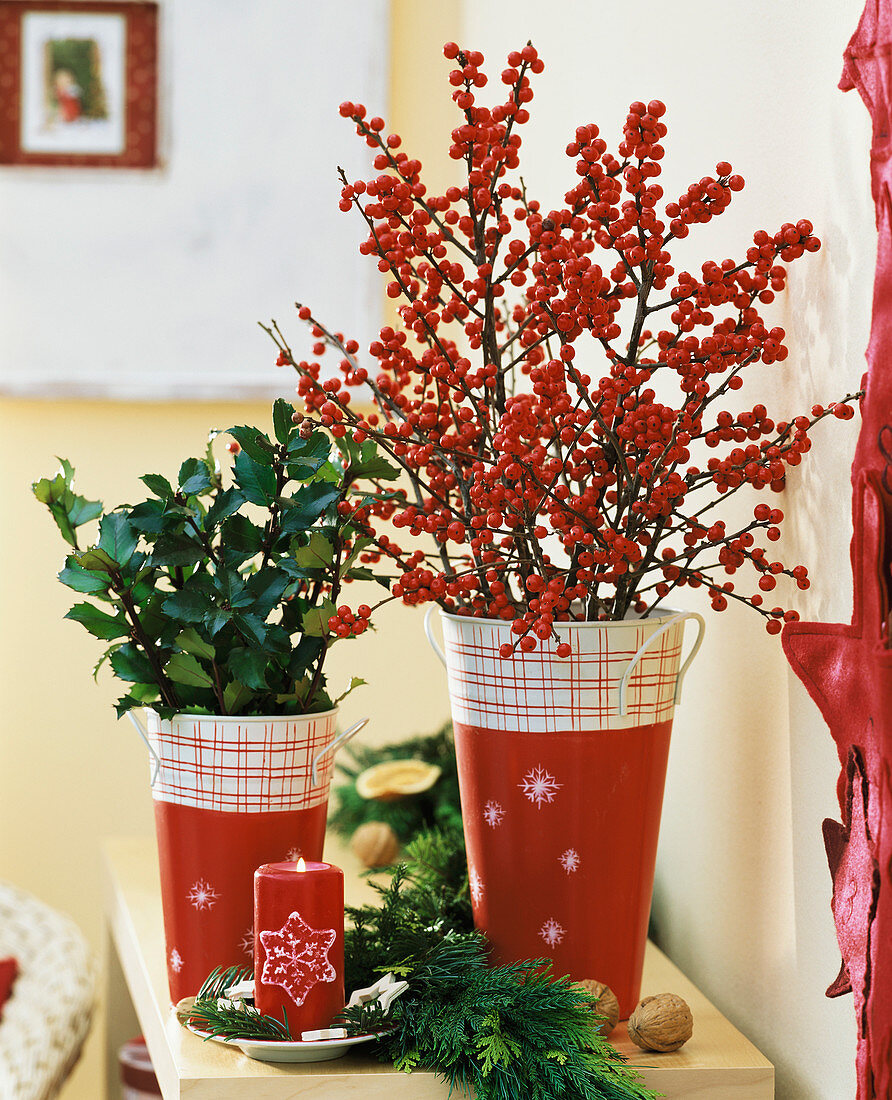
{"points": [[78, 83]]}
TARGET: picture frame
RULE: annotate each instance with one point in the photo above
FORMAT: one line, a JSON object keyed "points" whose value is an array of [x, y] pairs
{"points": [[79, 83]]}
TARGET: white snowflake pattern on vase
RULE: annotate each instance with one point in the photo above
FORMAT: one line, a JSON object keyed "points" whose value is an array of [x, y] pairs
{"points": [[475, 884], [552, 932], [493, 813], [202, 896], [176, 961], [246, 943], [539, 786], [569, 860]]}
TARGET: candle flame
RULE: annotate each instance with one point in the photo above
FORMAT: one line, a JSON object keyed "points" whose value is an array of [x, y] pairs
{"points": [[300, 865]]}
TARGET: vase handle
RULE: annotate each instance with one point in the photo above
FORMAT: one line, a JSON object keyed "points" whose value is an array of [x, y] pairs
{"points": [[429, 631], [341, 739], [645, 645], [144, 734]]}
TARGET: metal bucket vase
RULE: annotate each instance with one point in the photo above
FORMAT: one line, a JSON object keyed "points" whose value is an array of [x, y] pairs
{"points": [[562, 764], [231, 794]]}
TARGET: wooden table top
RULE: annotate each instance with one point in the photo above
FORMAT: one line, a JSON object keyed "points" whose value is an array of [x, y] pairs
{"points": [[718, 1063]]}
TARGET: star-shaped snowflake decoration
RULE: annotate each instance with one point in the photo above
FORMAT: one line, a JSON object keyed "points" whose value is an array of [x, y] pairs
{"points": [[552, 932], [569, 860], [297, 957], [202, 896], [176, 961], [293, 855], [493, 813], [475, 884], [539, 786], [246, 943]]}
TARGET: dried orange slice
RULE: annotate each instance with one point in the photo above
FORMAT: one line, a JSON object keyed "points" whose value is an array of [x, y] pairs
{"points": [[396, 778]]}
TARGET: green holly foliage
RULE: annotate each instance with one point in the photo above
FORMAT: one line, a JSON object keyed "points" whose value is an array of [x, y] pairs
{"points": [[496, 1032], [214, 593], [437, 806]]}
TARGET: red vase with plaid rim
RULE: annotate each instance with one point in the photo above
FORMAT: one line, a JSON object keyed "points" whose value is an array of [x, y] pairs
{"points": [[231, 794], [562, 764]]}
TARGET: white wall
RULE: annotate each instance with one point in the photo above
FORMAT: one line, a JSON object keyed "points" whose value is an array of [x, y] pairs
{"points": [[743, 891], [150, 283]]}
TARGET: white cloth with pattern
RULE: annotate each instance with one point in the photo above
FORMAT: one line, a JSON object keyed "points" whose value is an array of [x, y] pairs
{"points": [[47, 1017]]}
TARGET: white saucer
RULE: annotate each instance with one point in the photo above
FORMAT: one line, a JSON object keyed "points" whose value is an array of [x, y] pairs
{"points": [[269, 1050]]}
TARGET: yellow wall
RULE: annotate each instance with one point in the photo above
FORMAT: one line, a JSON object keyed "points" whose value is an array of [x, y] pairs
{"points": [[69, 774]]}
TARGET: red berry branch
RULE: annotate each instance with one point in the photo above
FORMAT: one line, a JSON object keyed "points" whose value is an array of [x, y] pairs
{"points": [[564, 452]]}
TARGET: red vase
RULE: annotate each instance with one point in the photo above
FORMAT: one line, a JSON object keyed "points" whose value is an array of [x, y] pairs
{"points": [[562, 764], [231, 794]]}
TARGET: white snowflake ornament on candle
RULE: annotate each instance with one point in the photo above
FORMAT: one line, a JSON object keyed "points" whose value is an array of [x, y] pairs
{"points": [[297, 957]]}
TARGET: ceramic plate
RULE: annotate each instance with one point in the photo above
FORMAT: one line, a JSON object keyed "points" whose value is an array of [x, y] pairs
{"points": [[267, 1050]]}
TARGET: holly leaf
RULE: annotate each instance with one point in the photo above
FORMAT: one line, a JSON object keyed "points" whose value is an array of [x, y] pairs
{"points": [[82, 580], [100, 625], [317, 554], [190, 641], [306, 456], [95, 559], [240, 539], [250, 666], [177, 549], [302, 510], [183, 668], [253, 443], [236, 696], [225, 504], [187, 605], [257, 482], [376, 468], [117, 537], [131, 664], [158, 485], [355, 682], [251, 627], [194, 477], [68, 509], [138, 696], [282, 422], [316, 619], [267, 591]]}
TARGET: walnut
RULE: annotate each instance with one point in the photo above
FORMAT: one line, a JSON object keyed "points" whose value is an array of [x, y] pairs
{"points": [[376, 844], [607, 1004], [663, 1022]]}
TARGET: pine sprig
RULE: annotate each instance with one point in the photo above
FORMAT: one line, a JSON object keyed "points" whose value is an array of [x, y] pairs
{"points": [[503, 1031], [222, 1019]]}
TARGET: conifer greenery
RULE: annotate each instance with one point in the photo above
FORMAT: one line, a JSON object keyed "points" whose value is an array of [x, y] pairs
{"points": [[494, 1032], [503, 1032], [438, 806]]}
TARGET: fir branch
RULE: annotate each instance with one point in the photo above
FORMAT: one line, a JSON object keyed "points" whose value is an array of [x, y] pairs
{"points": [[502, 1031], [222, 1019]]}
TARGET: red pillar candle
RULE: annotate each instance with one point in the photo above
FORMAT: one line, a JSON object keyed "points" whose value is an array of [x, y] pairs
{"points": [[299, 943]]}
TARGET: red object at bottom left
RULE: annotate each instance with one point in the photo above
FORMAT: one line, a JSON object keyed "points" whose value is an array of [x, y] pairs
{"points": [[299, 943]]}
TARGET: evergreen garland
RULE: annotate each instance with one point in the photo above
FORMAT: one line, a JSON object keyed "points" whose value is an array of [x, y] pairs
{"points": [[437, 807], [505, 1031]]}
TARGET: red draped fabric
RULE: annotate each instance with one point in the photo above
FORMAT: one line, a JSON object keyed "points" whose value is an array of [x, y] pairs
{"points": [[847, 669]]}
